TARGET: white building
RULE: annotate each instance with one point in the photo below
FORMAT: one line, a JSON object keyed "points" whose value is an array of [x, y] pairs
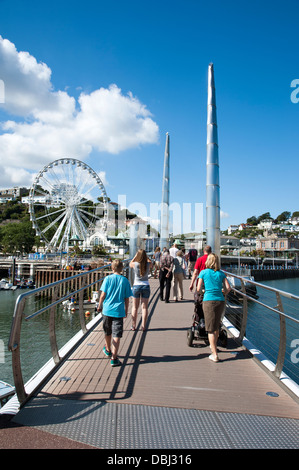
{"points": [[266, 224], [232, 228], [12, 193]]}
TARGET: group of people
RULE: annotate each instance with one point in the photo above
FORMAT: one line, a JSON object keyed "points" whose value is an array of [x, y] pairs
{"points": [[173, 265], [116, 291], [114, 301]]}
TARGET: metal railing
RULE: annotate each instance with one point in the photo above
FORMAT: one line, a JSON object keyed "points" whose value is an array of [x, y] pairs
{"points": [[50, 302], [269, 318], [251, 307]]}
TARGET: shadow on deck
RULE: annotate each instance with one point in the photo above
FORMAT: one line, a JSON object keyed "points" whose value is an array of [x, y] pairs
{"points": [[162, 392]]}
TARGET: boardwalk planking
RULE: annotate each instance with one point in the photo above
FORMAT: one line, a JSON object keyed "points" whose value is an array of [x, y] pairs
{"points": [[159, 369]]}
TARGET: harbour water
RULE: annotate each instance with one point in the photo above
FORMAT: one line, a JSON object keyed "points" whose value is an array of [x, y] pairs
{"points": [[263, 326], [35, 344], [35, 347]]}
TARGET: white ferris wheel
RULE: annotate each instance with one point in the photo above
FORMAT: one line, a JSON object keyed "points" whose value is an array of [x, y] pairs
{"points": [[67, 201]]}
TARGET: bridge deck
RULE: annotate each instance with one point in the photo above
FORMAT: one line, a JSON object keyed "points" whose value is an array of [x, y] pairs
{"points": [[160, 373]]}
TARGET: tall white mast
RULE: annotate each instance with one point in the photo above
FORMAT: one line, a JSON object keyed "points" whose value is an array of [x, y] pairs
{"points": [[164, 235], [212, 188]]}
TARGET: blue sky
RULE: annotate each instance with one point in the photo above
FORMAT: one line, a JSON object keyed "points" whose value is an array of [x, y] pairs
{"points": [[156, 54]]}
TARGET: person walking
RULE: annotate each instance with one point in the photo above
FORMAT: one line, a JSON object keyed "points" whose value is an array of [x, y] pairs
{"points": [[191, 257], [165, 275], [198, 295], [174, 249], [178, 275], [199, 265], [213, 299], [114, 304], [141, 288], [156, 260]]}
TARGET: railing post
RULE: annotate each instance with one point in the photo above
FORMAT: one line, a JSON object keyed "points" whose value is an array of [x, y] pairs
{"points": [[52, 330], [282, 339], [14, 347], [244, 314], [81, 303]]}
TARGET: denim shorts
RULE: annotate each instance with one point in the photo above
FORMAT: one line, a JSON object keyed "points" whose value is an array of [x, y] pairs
{"points": [[113, 326], [142, 290]]}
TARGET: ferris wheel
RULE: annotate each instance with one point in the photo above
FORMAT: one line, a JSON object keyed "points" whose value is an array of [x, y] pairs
{"points": [[67, 201]]}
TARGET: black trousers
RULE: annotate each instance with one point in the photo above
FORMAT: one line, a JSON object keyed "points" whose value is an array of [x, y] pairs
{"points": [[165, 282]]}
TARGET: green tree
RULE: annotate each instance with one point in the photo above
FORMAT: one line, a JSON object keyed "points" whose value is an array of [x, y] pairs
{"points": [[284, 216], [264, 216], [252, 220], [17, 237]]}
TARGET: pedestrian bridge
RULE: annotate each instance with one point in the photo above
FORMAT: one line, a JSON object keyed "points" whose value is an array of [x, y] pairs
{"points": [[165, 395]]}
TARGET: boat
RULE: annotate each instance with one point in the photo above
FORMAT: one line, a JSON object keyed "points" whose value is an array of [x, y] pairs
{"points": [[73, 305], [7, 285], [25, 284], [6, 391]]}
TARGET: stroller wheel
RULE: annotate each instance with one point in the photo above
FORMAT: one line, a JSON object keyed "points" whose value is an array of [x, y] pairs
{"points": [[223, 338], [190, 337]]}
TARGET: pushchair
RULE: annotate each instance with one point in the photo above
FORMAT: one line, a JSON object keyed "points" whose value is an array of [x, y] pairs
{"points": [[197, 330]]}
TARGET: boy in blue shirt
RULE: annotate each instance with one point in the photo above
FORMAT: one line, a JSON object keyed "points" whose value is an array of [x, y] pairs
{"points": [[114, 303]]}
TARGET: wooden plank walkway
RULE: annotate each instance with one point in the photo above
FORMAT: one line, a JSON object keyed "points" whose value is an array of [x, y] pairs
{"points": [[160, 369]]}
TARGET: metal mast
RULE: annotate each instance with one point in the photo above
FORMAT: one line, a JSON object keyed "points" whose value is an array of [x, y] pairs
{"points": [[164, 235], [212, 188]]}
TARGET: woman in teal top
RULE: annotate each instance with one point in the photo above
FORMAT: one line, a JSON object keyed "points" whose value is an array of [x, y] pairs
{"points": [[213, 280]]}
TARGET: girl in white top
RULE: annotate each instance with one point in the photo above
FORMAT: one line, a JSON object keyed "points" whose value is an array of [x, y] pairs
{"points": [[141, 289]]}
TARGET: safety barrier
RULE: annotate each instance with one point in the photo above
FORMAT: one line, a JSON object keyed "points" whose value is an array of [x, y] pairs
{"points": [[269, 319], [50, 303]]}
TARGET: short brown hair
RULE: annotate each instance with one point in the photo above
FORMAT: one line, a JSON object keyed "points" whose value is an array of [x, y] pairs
{"points": [[117, 265]]}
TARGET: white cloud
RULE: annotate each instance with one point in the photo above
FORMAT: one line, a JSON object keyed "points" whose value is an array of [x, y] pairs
{"points": [[223, 215], [49, 124]]}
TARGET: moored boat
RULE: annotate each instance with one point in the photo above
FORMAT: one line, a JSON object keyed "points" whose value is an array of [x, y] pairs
{"points": [[73, 305]]}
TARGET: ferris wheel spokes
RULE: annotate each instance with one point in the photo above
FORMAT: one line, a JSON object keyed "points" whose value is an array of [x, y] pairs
{"points": [[53, 223], [67, 199]]}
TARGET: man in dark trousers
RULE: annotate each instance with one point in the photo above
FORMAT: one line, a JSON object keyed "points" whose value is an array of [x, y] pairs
{"points": [[165, 275]]}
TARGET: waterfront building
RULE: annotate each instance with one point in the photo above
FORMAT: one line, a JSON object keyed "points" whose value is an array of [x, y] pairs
{"points": [[229, 241], [276, 243]]}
